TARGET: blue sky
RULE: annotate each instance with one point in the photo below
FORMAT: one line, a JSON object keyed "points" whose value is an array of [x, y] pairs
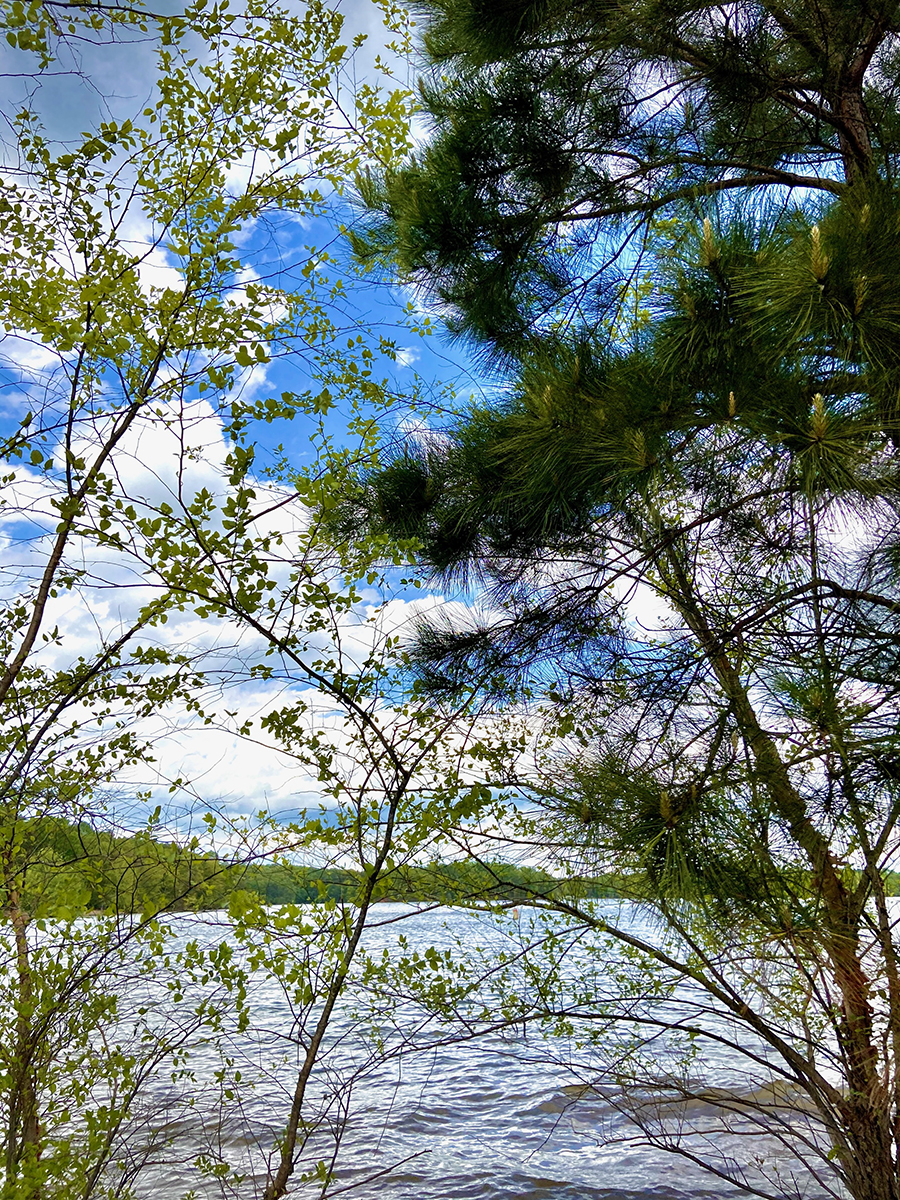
{"points": [[92, 84], [430, 363]]}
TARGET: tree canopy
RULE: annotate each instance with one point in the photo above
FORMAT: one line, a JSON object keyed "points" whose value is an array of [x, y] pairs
{"points": [[561, 130], [148, 562], [671, 230]]}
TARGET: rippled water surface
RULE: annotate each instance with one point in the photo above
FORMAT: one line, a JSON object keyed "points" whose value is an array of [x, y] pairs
{"points": [[487, 1119]]}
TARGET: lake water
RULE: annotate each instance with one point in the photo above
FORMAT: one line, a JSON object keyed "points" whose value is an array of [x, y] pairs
{"points": [[503, 1117]]}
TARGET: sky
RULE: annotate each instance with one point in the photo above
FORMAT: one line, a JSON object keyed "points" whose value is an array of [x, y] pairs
{"points": [[91, 84], [208, 764]]}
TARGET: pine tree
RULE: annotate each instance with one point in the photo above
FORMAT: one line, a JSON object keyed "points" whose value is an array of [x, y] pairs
{"points": [[562, 129], [727, 463]]}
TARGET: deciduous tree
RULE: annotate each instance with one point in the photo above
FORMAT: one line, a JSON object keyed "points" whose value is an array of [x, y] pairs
{"points": [[134, 312]]}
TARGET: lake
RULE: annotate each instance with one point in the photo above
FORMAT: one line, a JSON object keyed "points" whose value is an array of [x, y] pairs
{"points": [[509, 1116]]}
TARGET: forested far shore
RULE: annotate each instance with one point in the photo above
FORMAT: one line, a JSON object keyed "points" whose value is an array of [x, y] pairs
{"points": [[76, 869]]}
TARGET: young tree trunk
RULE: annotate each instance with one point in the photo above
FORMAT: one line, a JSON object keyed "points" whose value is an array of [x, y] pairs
{"points": [[23, 1131]]}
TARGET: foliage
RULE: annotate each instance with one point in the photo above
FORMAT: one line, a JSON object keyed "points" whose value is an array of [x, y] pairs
{"points": [[85, 869], [73, 870], [683, 534], [138, 317], [562, 130]]}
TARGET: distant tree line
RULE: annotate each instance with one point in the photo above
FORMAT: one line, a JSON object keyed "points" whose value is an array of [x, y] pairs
{"points": [[76, 868], [439, 883]]}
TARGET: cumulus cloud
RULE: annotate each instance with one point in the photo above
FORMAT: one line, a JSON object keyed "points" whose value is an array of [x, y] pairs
{"points": [[166, 459]]}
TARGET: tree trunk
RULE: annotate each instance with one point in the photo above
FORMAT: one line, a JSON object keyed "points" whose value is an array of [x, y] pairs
{"points": [[853, 133], [867, 1115], [871, 1171], [23, 1132]]}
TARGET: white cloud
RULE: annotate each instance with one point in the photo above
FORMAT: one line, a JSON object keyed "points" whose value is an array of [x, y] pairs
{"points": [[156, 270], [168, 458]]}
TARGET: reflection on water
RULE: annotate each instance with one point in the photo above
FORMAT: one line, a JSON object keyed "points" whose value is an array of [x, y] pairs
{"points": [[499, 1118]]}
